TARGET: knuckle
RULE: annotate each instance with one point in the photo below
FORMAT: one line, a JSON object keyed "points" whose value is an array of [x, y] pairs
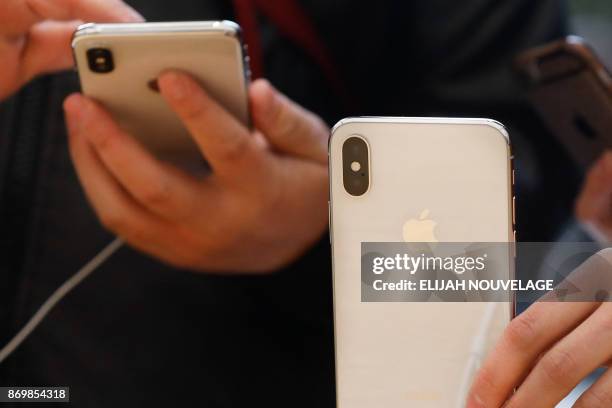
{"points": [[484, 384], [606, 322], [596, 397], [236, 150], [513, 404], [289, 126], [192, 109], [105, 141], [156, 194], [522, 331], [286, 121], [558, 366]]}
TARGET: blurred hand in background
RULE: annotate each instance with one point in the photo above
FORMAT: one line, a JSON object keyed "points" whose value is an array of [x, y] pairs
{"points": [[35, 35], [263, 206], [594, 204]]}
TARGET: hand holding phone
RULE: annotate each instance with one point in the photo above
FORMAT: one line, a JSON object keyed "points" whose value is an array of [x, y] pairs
{"points": [[119, 65], [35, 35], [264, 204]]}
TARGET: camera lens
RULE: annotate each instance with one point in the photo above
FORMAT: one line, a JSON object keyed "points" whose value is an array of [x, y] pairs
{"points": [[100, 60], [356, 183], [356, 172]]}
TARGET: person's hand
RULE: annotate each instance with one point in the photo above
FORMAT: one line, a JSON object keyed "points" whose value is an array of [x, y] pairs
{"points": [[594, 205], [544, 353], [35, 35], [263, 206]]}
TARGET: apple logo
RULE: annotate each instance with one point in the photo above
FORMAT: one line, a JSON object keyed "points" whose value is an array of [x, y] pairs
{"points": [[421, 230]]}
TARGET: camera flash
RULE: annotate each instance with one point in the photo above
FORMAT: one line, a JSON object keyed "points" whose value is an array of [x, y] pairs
{"points": [[355, 166]]}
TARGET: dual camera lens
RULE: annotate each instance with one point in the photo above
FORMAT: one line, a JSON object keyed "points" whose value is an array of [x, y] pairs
{"points": [[356, 166]]}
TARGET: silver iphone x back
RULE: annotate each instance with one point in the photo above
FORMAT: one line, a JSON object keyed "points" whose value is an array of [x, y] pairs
{"points": [[419, 180], [118, 65]]}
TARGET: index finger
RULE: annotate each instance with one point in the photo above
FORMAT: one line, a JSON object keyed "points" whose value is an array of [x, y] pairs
{"points": [[289, 127], [527, 336], [230, 148], [17, 16]]}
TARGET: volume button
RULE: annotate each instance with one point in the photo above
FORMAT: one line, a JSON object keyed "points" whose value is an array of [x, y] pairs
{"points": [[514, 211]]}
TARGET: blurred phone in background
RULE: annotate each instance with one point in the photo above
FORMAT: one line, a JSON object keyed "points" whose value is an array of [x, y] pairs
{"points": [[571, 90]]}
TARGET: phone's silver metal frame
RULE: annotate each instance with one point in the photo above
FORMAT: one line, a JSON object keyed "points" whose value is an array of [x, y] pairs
{"points": [[397, 119], [225, 26]]}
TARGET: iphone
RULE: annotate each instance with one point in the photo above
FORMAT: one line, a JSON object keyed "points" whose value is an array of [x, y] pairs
{"points": [[118, 65], [431, 180]]}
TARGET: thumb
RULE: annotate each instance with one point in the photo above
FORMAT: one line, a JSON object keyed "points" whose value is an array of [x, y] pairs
{"points": [[288, 127], [100, 11], [48, 48]]}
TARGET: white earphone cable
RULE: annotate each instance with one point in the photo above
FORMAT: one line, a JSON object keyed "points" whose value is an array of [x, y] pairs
{"points": [[57, 296]]}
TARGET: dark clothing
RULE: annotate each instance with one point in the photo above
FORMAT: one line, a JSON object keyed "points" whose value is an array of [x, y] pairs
{"points": [[140, 333]]}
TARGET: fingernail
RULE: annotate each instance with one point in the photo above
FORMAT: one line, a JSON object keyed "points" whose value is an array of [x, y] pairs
{"points": [[178, 85]]}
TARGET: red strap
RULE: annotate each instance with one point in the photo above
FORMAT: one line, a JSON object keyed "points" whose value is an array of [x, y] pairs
{"points": [[292, 21]]}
